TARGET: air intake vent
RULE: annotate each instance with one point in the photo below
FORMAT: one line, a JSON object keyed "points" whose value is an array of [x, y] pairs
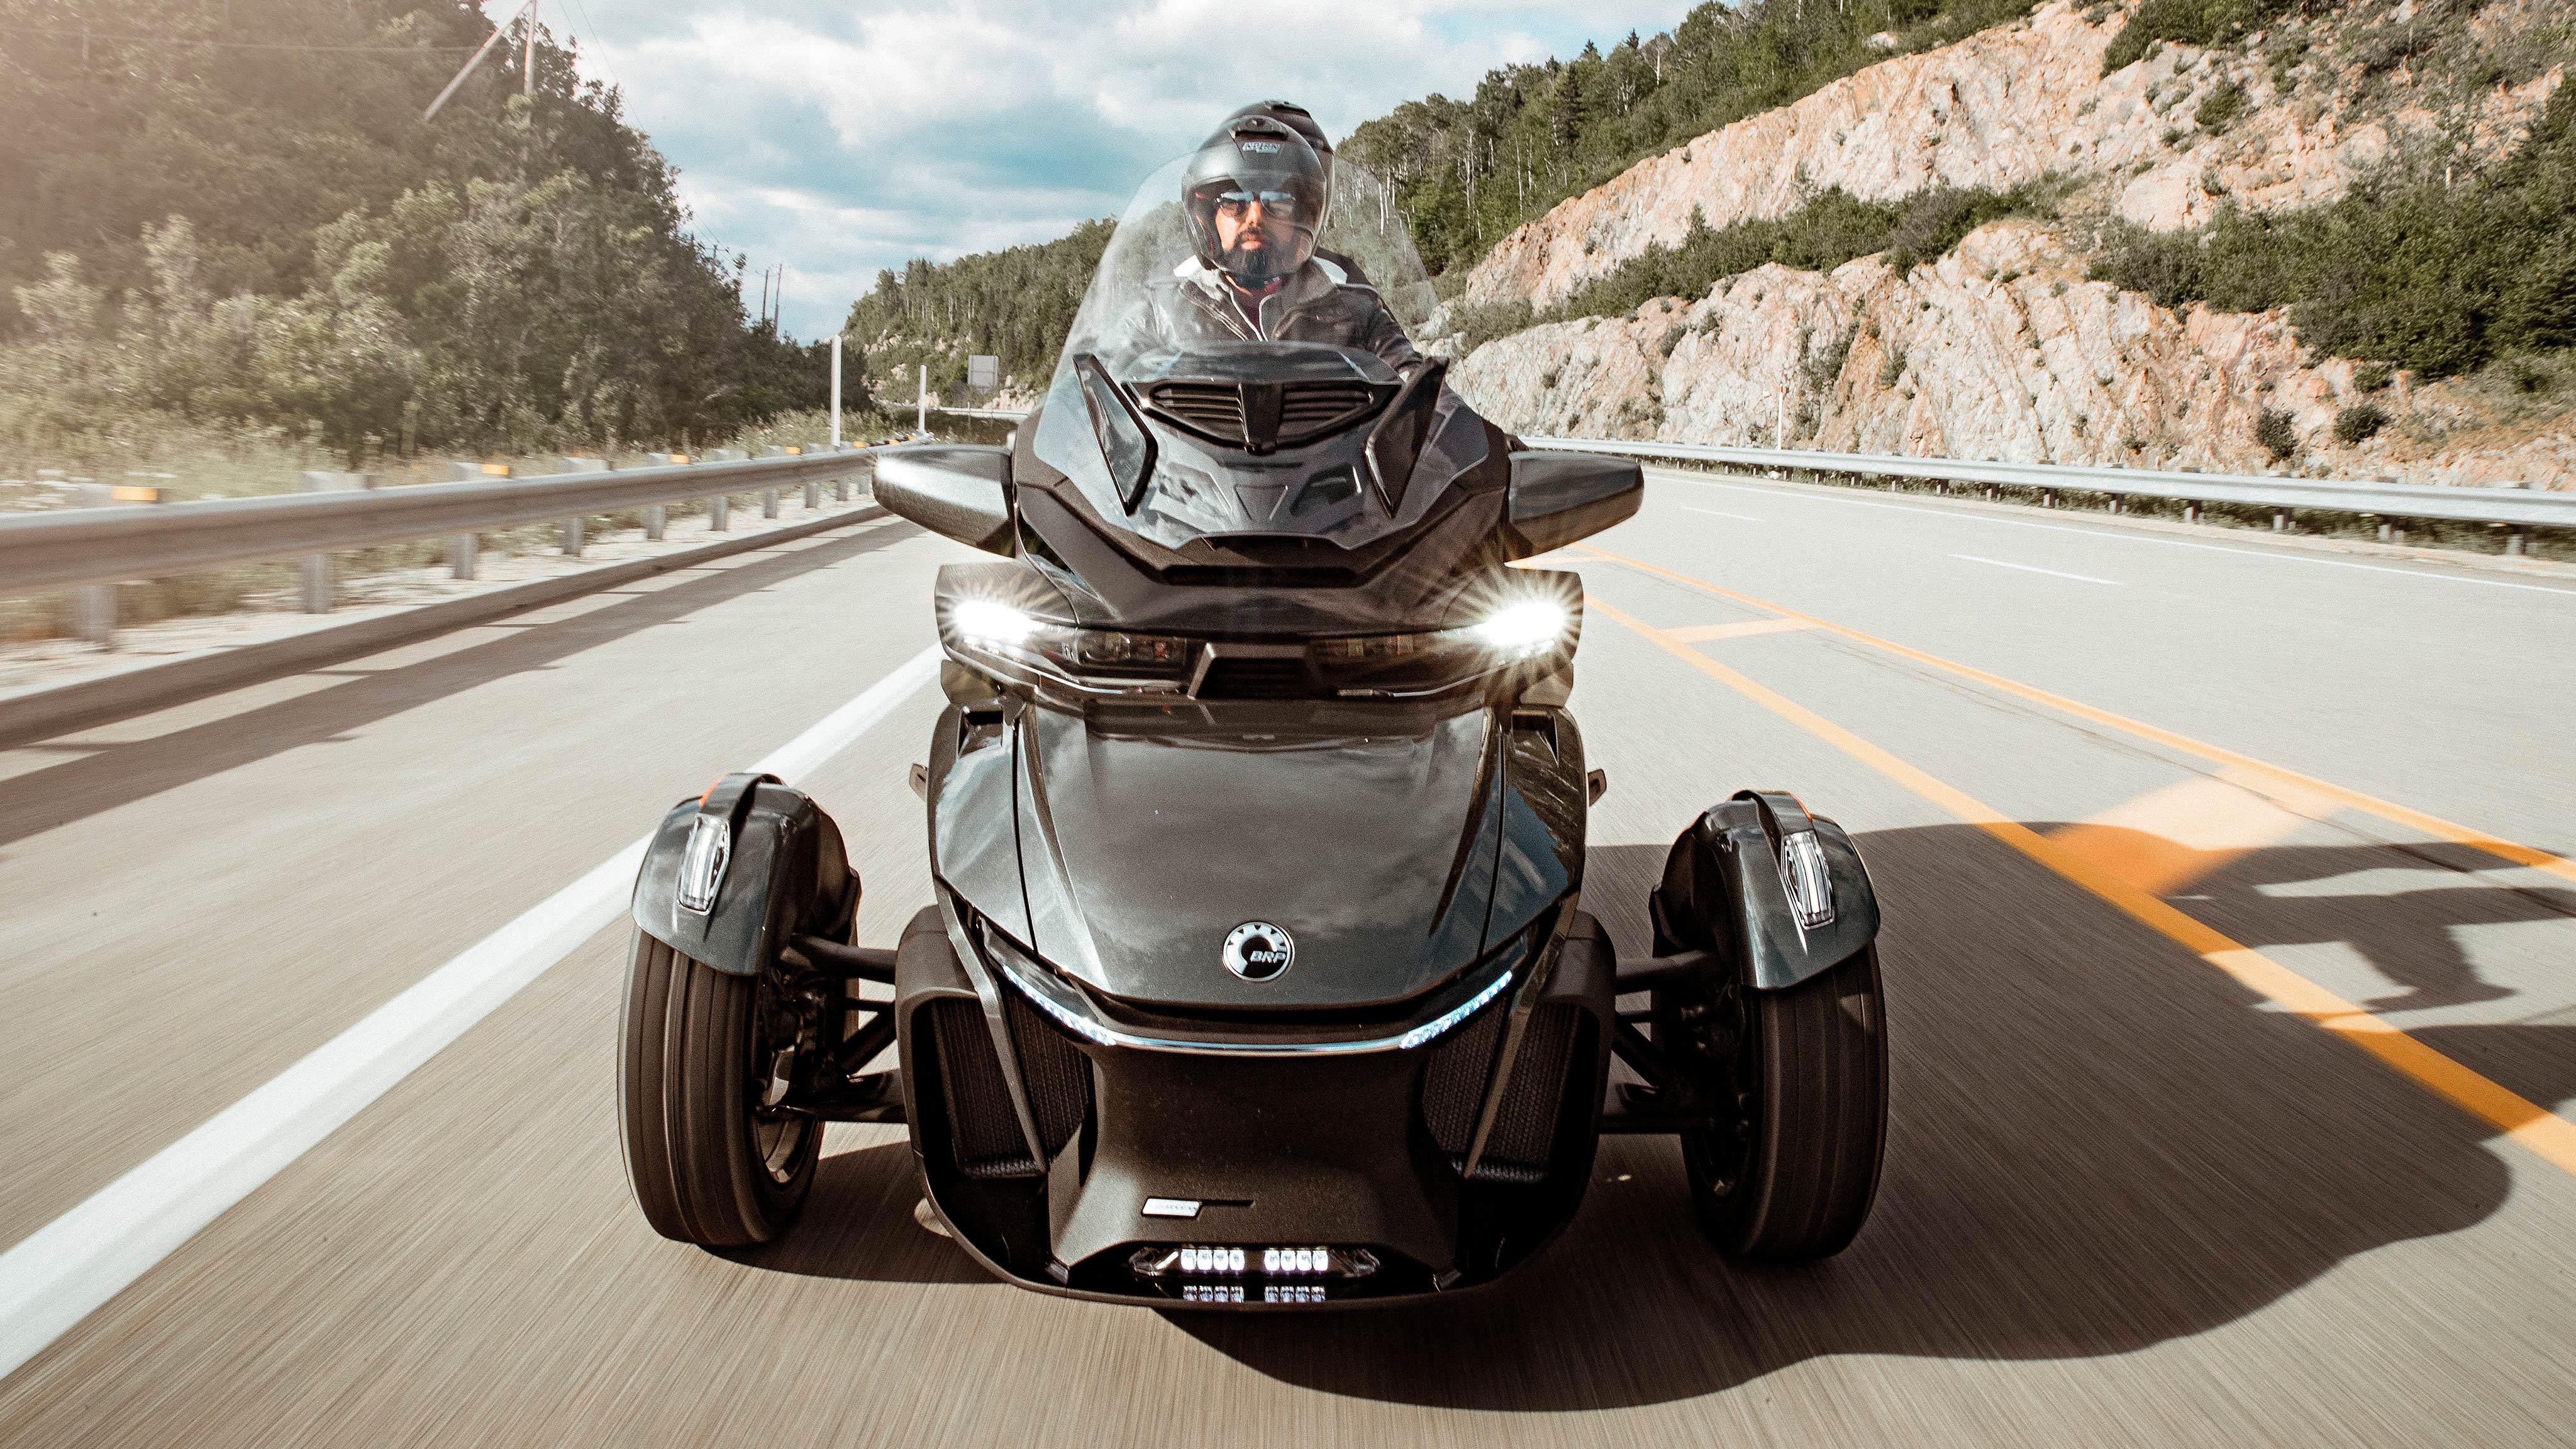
{"points": [[1525, 1125], [1311, 409], [983, 1129], [1453, 1082], [1210, 407], [1240, 415], [1054, 1070]]}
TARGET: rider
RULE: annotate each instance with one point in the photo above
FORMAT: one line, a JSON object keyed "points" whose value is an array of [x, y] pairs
{"points": [[1253, 198], [1302, 121]]}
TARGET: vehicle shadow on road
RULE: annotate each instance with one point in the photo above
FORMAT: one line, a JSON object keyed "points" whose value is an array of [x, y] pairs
{"points": [[857, 1224], [120, 774], [2097, 1143]]}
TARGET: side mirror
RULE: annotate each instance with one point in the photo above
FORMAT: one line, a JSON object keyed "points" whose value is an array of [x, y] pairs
{"points": [[956, 490], [1557, 498]]}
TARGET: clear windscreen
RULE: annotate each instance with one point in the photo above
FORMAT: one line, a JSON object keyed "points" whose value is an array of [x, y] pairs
{"points": [[1157, 320]]}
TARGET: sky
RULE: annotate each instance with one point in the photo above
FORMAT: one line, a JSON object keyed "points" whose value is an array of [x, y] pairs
{"points": [[842, 138]]}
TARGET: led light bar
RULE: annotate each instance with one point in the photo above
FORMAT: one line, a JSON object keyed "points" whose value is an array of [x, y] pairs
{"points": [[1453, 1016], [1231, 1262]]}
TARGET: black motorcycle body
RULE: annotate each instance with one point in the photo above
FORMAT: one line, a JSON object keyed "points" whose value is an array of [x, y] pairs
{"points": [[1256, 972]]}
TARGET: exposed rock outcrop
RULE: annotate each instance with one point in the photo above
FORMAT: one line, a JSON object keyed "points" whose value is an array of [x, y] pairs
{"points": [[2001, 350], [1999, 110]]}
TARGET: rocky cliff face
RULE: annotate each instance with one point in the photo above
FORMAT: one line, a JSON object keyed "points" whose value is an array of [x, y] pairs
{"points": [[2001, 350], [2002, 109]]}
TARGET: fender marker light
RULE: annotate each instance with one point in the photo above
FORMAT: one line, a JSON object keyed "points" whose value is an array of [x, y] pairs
{"points": [[1803, 873], [1171, 1207], [702, 863]]}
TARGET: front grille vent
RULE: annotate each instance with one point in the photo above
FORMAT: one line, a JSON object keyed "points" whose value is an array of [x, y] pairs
{"points": [[1263, 416], [1054, 1070], [1210, 407], [984, 1130], [1524, 1132], [1453, 1082]]}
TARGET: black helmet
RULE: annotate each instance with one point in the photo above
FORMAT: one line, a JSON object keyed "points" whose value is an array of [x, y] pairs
{"points": [[1302, 121], [1255, 158]]}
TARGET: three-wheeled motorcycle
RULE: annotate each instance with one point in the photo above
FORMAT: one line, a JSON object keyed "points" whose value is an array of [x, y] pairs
{"points": [[1256, 971]]}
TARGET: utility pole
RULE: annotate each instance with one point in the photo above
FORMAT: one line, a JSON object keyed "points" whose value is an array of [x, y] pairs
{"points": [[836, 389], [528, 56], [498, 29], [921, 423]]}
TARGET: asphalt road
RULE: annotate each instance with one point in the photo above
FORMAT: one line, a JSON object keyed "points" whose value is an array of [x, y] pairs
{"points": [[2167, 830]]}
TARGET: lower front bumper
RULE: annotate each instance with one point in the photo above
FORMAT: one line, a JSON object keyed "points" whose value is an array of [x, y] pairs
{"points": [[1136, 1176]]}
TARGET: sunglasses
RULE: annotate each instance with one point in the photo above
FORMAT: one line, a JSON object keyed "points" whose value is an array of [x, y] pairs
{"points": [[1233, 204]]}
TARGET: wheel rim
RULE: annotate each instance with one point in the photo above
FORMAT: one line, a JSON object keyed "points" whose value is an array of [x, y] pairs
{"points": [[778, 1134], [1713, 1047]]}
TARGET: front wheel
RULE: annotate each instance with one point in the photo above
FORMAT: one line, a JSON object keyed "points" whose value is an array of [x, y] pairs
{"points": [[711, 1157], [1796, 1084]]}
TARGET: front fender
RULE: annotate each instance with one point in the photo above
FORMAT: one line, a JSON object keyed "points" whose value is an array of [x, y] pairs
{"points": [[785, 873], [1723, 890]]}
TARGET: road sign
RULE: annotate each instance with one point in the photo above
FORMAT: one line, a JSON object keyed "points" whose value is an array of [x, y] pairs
{"points": [[983, 373]]}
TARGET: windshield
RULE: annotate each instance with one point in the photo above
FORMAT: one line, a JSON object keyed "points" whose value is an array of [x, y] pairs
{"points": [[1185, 406]]}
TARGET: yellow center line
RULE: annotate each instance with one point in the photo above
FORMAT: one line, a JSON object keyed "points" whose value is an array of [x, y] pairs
{"points": [[2386, 810], [2544, 1132]]}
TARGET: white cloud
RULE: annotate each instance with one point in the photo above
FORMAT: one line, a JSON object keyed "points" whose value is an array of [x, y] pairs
{"points": [[842, 139]]}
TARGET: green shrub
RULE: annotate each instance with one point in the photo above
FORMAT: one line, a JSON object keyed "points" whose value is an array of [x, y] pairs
{"points": [[2188, 22], [2372, 376], [2439, 279], [2222, 106], [2273, 430], [2359, 423]]}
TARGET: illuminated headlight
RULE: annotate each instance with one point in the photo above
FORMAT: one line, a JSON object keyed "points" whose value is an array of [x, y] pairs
{"points": [[1191, 1260], [1003, 639], [1454, 1015], [992, 624], [1520, 630]]}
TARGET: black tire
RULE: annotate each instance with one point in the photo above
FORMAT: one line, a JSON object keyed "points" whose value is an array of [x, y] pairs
{"points": [[1805, 1073], [708, 1163]]}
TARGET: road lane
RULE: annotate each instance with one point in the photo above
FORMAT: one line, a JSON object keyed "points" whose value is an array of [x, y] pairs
{"points": [[198, 902], [2124, 1201]]}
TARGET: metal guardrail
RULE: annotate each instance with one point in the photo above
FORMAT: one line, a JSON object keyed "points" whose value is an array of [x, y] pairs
{"points": [[2515, 507], [85, 546], [2523, 507], [64, 548]]}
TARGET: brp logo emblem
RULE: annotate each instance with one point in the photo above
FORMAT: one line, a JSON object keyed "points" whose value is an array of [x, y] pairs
{"points": [[1259, 951]]}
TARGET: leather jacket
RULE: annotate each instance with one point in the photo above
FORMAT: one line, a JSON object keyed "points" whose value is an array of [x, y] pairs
{"points": [[1318, 304]]}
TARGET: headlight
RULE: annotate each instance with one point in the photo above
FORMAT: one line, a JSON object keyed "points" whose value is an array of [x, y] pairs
{"points": [[1526, 630], [1000, 639], [1517, 631]]}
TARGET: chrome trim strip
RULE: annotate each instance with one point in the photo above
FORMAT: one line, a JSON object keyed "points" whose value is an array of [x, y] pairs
{"points": [[1076, 1018]]}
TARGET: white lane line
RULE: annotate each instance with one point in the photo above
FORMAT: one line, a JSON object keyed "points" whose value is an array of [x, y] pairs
{"points": [[56, 1277], [2036, 569], [2120, 536], [1722, 513]]}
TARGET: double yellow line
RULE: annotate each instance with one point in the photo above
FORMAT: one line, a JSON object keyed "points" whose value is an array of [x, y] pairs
{"points": [[2537, 1128]]}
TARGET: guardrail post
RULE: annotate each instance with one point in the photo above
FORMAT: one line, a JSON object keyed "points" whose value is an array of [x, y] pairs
{"points": [[2048, 498], [465, 550], [2518, 541], [572, 527], [657, 516], [720, 507], [2280, 520], [320, 584], [2190, 511], [769, 496], [94, 605]]}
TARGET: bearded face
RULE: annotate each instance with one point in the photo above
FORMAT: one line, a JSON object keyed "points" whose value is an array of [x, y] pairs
{"points": [[1261, 236]]}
